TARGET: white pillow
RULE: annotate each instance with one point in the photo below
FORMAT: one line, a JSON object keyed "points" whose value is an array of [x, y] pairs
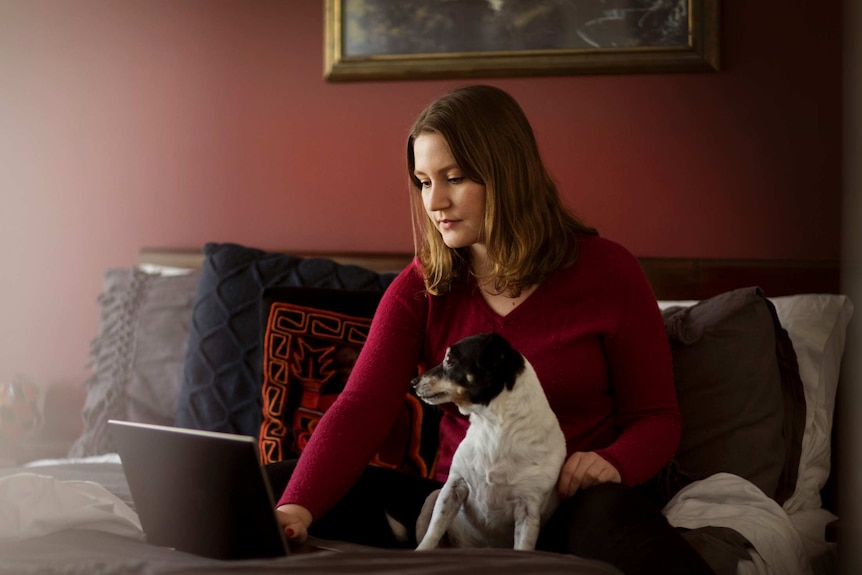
{"points": [[817, 326], [160, 270]]}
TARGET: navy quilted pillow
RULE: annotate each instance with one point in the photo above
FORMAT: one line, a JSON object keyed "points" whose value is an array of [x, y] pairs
{"points": [[221, 389]]}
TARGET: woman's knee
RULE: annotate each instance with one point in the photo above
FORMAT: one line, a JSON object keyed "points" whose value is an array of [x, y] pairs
{"points": [[610, 500], [598, 516]]}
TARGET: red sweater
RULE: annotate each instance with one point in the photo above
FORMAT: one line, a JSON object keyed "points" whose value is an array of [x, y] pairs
{"points": [[593, 332]]}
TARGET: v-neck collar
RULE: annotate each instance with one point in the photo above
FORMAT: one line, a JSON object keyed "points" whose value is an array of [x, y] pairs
{"points": [[498, 317]]}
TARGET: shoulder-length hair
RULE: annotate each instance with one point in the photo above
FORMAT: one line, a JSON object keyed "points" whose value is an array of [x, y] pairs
{"points": [[528, 231]]}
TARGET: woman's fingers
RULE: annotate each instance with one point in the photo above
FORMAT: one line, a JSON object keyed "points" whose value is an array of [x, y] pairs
{"points": [[583, 470]]}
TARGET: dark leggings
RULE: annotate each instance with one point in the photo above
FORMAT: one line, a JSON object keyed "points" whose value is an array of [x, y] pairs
{"points": [[610, 522]]}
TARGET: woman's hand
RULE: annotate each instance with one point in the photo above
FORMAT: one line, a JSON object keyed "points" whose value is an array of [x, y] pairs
{"points": [[294, 521], [584, 469]]}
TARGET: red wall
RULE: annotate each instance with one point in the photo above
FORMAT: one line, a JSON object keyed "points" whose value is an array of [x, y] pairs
{"points": [[141, 123]]}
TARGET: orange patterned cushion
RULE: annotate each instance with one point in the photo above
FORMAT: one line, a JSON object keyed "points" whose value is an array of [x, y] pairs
{"points": [[312, 338]]}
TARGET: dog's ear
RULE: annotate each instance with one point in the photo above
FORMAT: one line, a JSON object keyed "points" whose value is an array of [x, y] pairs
{"points": [[493, 348], [500, 358]]}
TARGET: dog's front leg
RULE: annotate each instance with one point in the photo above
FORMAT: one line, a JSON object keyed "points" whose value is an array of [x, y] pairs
{"points": [[527, 524], [448, 504]]}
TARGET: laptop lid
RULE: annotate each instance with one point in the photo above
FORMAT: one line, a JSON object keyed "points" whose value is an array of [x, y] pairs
{"points": [[201, 492]]}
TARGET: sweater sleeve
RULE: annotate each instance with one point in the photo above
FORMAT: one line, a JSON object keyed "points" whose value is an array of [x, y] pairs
{"points": [[355, 426], [641, 377]]}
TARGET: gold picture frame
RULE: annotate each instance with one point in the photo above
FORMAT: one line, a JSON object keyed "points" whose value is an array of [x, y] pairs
{"points": [[425, 39]]}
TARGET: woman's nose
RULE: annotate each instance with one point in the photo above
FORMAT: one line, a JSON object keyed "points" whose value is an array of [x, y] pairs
{"points": [[436, 198]]}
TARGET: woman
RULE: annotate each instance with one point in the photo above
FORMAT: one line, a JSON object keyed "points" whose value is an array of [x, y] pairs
{"points": [[497, 251]]}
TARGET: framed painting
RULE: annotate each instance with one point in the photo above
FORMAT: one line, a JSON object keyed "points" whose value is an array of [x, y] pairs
{"points": [[420, 39]]}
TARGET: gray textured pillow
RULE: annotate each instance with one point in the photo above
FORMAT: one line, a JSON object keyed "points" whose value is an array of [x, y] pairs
{"points": [[138, 354], [740, 395]]}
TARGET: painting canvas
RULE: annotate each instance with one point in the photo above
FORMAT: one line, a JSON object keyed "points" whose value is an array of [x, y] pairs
{"points": [[391, 39]]}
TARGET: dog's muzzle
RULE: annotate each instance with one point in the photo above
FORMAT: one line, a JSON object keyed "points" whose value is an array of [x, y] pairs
{"points": [[428, 388]]}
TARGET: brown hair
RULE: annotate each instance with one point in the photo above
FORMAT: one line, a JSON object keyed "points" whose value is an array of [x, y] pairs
{"points": [[528, 231]]}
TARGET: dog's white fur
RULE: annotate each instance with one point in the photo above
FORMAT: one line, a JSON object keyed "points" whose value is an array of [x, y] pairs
{"points": [[502, 482]]}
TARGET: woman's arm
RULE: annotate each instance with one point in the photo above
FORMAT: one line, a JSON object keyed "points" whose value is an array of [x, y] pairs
{"points": [[641, 377], [354, 428]]}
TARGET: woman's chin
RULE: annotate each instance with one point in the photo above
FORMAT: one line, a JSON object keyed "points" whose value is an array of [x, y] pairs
{"points": [[456, 241]]}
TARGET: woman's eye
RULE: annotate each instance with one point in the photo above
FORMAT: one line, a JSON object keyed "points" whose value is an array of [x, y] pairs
{"points": [[424, 184], [456, 180]]}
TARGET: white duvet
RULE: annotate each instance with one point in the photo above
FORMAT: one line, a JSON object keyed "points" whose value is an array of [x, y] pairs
{"points": [[726, 500], [32, 505]]}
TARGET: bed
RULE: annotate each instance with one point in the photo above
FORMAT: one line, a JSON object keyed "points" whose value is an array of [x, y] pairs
{"points": [[197, 338]]}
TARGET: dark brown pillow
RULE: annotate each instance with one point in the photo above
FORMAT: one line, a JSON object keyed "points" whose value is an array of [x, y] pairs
{"points": [[740, 395]]}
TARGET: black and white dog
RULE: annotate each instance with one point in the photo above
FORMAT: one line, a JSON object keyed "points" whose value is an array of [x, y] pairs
{"points": [[502, 483]]}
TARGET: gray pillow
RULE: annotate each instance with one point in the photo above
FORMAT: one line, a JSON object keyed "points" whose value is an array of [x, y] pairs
{"points": [[138, 354], [740, 395]]}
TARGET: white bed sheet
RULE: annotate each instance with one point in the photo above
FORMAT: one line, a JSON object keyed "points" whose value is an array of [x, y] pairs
{"points": [[727, 500], [34, 505], [106, 458]]}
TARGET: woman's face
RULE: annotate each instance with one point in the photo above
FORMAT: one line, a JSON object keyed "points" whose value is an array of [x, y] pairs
{"points": [[455, 204]]}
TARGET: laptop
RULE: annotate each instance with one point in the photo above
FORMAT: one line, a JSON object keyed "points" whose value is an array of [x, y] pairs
{"points": [[201, 492]]}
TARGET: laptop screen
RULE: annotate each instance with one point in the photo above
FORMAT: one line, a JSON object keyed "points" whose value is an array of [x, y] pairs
{"points": [[198, 491]]}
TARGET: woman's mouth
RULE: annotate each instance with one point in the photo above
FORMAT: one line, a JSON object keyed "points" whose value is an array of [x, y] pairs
{"points": [[447, 224]]}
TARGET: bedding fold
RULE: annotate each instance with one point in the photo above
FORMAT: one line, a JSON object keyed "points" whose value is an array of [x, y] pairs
{"points": [[727, 500], [34, 505]]}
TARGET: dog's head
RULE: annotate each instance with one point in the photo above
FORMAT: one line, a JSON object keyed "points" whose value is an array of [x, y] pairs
{"points": [[475, 371]]}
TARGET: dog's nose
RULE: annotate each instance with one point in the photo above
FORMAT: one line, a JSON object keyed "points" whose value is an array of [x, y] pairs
{"points": [[414, 382]]}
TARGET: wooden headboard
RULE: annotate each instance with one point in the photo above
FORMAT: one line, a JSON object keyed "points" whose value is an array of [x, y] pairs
{"points": [[194, 259], [693, 278], [671, 278]]}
